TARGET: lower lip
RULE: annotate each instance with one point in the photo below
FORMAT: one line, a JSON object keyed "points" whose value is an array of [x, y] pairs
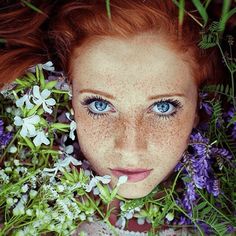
{"points": [[132, 177]]}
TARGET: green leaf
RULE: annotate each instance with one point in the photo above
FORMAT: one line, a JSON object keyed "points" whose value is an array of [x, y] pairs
{"points": [[41, 78], [226, 14], [51, 84], [60, 126], [108, 9], [181, 11], [22, 82], [59, 91], [29, 143], [202, 11], [68, 176], [28, 4], [31, 77], [33, 110], [53, 152], [200, 206]]}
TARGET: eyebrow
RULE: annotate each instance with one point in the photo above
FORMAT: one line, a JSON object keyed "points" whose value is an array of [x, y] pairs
{"points": [[107, 95]]}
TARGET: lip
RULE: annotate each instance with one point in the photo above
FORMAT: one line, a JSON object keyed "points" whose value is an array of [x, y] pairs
{"points": [[134, 175]]}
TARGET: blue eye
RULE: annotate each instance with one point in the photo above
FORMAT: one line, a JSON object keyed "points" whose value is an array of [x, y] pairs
{"points": [[163, 108], [96, 107]]}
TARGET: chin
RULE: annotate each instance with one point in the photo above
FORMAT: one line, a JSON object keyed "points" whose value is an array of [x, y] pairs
{"points": [[132, 193]]}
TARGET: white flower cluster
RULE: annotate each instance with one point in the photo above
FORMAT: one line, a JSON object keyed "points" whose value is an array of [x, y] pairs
{"points": [[37, 103]]}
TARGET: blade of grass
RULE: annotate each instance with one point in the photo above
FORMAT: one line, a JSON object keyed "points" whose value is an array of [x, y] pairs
{"points": [[28, 4], [207, 3], [202, 10], [108, 9], [3, 40], [181, 15], [226, 14]]}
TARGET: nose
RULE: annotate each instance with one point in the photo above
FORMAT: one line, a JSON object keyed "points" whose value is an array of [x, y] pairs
{"points": [[131, 137]]}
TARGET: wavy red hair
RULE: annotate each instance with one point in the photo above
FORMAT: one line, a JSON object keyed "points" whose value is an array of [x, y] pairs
{"points": [[35, 38]]}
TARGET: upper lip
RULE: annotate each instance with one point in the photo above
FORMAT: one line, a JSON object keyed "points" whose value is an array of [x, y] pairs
{"points": [[131, 170]]}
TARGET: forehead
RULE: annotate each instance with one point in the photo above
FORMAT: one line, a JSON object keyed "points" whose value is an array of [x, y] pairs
{"points": [[145, 63]]}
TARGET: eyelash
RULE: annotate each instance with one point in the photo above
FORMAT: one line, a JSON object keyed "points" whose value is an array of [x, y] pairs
{"points": [[176, 104]]}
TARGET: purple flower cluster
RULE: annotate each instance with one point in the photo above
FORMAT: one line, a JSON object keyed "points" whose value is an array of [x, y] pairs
{"points": [[197, 164], [228, 116], [5, 137]]}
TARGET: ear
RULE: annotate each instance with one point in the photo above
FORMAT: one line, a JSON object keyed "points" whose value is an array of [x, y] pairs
{"points": [[196, 120]]}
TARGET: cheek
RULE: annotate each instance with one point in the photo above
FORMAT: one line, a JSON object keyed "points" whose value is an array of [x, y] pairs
{"points": [[94, 138]]}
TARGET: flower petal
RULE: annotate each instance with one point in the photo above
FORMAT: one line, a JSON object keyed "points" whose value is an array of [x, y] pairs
{"points": [[31, 129], [47, 109], [36, 92], [32, 119], [18, 121], [20, 101], [45, 93], [50, 101]]}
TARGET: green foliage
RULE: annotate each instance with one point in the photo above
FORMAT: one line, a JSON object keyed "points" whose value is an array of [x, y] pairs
{"points": [[108, 9], [202, 11], [30, 5]]}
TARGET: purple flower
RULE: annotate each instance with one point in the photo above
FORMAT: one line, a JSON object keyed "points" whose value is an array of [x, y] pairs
{"points": [[228, 116], [233, 134], [184, 221], [206, 106], [197, 163], [5, 137], [220, 152], [213, 187]]}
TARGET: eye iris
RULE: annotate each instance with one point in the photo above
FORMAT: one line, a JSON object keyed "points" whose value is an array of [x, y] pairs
{"points": [[163, 107], [100, 105]]}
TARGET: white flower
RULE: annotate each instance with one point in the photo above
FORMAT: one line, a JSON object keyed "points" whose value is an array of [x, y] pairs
{"points": [[41, 98], [82, 217], [24, 100], [122, 179], [141, 220], [121, 222], [9, 109], [32, 193], [62, 163], [28, 128], [10, 202], [104, 179], [93, 182], [19, 209], [9, 128], [48, 66], [170, 216], [41, 138], [12, 149], [16, 162], [24, 188], [72, 126], [96, 191], [128, 215], [72, 130]]}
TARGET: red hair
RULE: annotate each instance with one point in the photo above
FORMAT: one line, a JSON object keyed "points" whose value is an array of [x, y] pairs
{"points": [[74, 23], [78, 22]]}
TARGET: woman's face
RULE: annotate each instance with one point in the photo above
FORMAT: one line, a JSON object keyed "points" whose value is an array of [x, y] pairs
{"points": [[135, 106]]}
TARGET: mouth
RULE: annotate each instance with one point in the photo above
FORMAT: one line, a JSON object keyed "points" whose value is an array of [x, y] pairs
{"points": [[134, 175]]}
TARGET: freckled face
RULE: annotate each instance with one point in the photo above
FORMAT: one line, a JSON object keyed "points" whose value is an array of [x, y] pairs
{"points": [[135, 106]]}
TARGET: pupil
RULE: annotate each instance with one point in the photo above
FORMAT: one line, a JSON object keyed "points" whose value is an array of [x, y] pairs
{"points": [[164, 107], [100, 106]]}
